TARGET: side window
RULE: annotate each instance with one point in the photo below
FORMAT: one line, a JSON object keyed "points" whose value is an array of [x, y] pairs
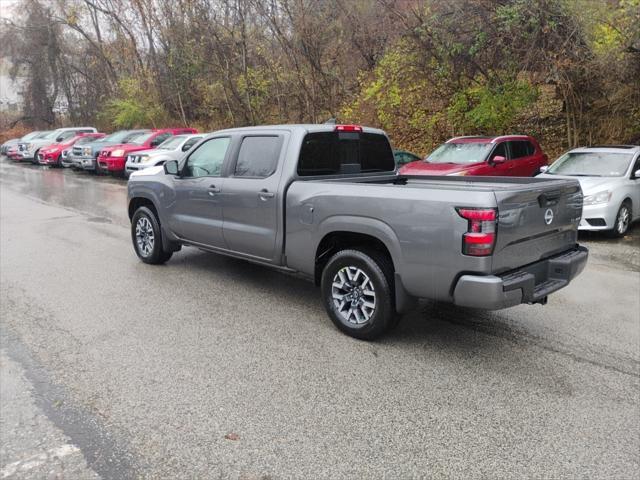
{"points": [[258, 156], [159, 139], [64, 135], [190, 143], [636, 167], [500, 151], [207, 159], [521, 148]]}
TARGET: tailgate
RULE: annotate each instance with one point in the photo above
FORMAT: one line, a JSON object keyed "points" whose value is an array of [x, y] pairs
{"points": [[535, 222]]}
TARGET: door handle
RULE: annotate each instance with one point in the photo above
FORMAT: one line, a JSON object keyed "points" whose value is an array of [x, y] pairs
{"points": [[264, 194], [213, 190]]}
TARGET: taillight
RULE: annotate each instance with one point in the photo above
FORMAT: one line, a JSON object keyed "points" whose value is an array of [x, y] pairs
{"points": [[481, 231], [348, 128]]}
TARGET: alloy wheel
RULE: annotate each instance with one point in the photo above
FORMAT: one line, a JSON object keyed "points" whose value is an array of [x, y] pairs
{"points": [[145, 239], [622, 222], [354, 295]]}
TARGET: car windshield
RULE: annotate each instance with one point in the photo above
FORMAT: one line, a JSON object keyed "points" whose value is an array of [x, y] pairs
{"points": [[83, 140], [115, 137], [172, 143], [591, 164], [49, 135], [461, 153], [140, 138], [33, 135]]}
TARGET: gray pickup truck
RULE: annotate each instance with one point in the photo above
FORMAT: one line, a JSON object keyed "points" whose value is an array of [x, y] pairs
{"points": [[325, 202]]}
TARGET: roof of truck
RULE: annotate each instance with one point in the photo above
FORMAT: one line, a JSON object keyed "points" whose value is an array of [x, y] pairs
{"points": [[309, 127]]}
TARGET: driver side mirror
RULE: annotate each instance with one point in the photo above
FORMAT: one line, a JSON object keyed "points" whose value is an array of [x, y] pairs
{"points": [[498, 159], [544, 168], [171, 167]]}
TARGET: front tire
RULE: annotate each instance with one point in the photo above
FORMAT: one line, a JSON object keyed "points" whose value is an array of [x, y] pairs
{"points": [[358, 292], [623, 220], [146, 236]]}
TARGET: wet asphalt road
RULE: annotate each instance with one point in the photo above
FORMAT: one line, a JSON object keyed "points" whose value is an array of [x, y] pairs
{"points": [[210, 367]]}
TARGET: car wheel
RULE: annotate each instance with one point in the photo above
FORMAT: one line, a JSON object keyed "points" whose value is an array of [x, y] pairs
{"points": [[623, 220], [35, 158], [147, 237], [357, 292]]}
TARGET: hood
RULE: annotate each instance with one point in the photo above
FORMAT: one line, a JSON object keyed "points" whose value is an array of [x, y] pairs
{"points": [[127, 147], [152, 171], [589, 185], [423, 167], [52, 148], [151, 152]]}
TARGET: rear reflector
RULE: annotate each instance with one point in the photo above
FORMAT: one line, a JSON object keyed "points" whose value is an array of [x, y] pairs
{"points": [[348, 128], [481, 231]]}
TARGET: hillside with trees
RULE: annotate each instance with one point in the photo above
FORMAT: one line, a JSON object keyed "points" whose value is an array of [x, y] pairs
{"points": [[565, 71]]}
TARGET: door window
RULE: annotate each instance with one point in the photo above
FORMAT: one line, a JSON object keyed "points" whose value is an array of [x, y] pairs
{"points": [[258, 157], [500, 151], [521, 148], [65, 135], [636, 167], [207, 159], [159, 139], [190, 143]]}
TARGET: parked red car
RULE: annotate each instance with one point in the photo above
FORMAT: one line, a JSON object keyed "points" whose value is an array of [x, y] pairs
{"points": [[507, 155], [114, 158], [54, 154], [14, 154]]}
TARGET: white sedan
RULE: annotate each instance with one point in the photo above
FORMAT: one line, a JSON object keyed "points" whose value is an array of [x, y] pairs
{"points": [[610, 181]]}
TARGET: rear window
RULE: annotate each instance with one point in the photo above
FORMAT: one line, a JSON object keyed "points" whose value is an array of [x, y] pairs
{"points": [[339, 153]]}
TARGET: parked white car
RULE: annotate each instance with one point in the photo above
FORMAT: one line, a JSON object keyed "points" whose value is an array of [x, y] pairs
{"points": [[29, 150], [171, 149], [610, 181]]}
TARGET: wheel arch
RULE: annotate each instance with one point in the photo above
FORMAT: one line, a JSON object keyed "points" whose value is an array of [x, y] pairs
{"points": [[363, 232], [137, 202]]}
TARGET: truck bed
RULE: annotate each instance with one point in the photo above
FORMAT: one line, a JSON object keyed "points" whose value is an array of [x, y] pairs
{"points": [[423, 227]]}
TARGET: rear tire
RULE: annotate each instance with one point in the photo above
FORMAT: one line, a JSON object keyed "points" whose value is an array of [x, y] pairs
{"points": [[623, 221], [146, 236], [358, 292]]}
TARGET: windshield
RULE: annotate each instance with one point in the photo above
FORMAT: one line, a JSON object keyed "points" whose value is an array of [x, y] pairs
{"points": [[140, 138], [49, 135], [462, 153], [83, 140], [116, 137], [591, 164], [172, 143], [31, 135]]}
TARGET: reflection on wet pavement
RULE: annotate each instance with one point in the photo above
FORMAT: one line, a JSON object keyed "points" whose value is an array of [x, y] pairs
{"points": [[101, 197]]}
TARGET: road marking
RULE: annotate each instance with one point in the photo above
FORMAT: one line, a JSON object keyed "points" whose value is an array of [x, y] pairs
{"points": [[38, 460]]}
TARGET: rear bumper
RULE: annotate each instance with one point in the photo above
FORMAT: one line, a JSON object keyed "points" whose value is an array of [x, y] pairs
{"points": [[529, 284]]}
